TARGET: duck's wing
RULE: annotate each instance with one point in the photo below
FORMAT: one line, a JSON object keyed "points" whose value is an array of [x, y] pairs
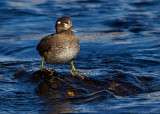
{"points": [[45, 44]]}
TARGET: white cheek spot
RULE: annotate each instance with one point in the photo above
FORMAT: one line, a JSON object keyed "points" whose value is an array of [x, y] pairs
{"points": [[58, 22], [66, 25]]}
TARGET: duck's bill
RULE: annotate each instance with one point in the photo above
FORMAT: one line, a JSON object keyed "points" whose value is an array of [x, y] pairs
{"points": [[73, 29]]}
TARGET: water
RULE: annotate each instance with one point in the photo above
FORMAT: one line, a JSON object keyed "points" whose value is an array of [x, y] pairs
{"points": [[120, 43]]}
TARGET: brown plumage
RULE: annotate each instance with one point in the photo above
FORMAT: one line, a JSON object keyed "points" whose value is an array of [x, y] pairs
{"points": [[60, 47]]}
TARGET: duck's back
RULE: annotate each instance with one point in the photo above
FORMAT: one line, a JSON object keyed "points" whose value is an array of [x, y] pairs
{"points": [[59, 48]]}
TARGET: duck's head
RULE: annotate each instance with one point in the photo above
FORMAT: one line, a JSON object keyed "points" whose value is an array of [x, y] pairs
{"points": [[64, 23]]}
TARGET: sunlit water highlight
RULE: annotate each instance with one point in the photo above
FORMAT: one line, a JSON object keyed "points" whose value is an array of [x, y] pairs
{"points": [[120, 52]]}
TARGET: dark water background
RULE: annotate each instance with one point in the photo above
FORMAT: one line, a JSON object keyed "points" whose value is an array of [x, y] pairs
{"points": [[120, 52]]}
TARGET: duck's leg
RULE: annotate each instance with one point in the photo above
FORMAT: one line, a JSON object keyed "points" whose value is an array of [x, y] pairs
{"points": [[44, 68], [73, 71]]}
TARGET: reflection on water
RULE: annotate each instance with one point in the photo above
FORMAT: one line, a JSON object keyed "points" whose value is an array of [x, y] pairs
{"points": [[119, 52]]}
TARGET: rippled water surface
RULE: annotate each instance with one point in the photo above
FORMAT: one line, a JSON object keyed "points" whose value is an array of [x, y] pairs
{"points": [[120, 53]]}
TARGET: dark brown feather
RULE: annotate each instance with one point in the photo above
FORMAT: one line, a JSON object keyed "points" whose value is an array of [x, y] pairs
{"points": [[60, 47], [45, 44]]}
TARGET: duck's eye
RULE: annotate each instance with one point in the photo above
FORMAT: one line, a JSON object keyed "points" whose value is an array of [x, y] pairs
{"points": [[66, 22]]}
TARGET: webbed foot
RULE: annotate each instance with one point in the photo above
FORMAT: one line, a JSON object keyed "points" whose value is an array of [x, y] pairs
{"points": [[73, 71], [78, 74], [46, 69]]}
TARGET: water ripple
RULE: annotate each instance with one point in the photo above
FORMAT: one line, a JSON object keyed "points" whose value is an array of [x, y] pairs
{"points": [[119, 52]]}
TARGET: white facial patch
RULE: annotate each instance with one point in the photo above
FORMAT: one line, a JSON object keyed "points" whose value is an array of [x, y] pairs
{"points": [[66, 25], [58, 22]]}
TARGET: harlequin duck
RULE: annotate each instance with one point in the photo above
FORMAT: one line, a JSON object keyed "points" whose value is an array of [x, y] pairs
{"points": [[60, 47]]}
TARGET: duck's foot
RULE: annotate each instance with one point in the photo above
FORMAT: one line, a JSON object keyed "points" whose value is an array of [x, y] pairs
{"points": [[78, 74], [46, 69]]}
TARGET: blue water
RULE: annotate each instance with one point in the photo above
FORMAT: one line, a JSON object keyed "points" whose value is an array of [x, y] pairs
{"points": [[120, 53]]}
